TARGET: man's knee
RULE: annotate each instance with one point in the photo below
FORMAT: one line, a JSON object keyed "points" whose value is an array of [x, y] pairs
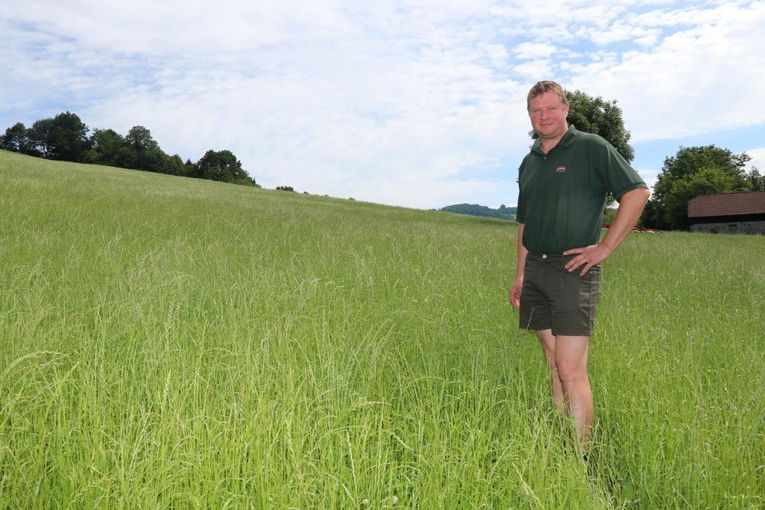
{"points": [[570, 371]]}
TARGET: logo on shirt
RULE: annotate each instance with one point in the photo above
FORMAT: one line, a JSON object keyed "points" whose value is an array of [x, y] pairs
{"points": [[561, 170]]}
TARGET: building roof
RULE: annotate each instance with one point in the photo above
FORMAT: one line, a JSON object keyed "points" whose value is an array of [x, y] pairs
{"points": [[727, 204]]}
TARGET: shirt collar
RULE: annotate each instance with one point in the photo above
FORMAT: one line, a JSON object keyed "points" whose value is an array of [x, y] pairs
{"points": [[565, 141]]}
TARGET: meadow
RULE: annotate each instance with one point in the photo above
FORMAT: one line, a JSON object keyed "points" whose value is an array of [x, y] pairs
{"points": [[177, 343]]}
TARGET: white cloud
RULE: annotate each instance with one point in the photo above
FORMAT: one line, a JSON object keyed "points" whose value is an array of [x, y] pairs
{"points": [[758, 159], [418, 103], [532, 50], [692, 81]]}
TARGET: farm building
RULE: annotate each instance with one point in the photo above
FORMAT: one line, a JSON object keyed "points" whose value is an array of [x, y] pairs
{"points": [[728, 213]]}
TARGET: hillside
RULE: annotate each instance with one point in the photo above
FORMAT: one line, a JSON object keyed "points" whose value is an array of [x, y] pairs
{"points": [[168, 342], [505, 213]]}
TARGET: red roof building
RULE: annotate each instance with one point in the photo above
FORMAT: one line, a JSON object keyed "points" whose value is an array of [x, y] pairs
{"points": [[727, 204], [728, 212]]}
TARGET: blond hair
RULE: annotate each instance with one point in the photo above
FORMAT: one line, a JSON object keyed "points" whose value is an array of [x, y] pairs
{"points": [[544, 86]]}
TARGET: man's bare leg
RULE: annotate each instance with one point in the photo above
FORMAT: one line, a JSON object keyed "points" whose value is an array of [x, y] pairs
{"points": [[548, 346], [571, 365]]}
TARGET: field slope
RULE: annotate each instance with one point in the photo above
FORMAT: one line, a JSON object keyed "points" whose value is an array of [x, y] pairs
{"points": [[170, 342]]}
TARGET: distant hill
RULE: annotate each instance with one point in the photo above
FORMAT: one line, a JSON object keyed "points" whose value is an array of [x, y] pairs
{"points": [[505, 213]]}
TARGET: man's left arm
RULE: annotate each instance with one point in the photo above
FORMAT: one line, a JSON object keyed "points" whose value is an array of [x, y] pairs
{"points": [[630, 206]]}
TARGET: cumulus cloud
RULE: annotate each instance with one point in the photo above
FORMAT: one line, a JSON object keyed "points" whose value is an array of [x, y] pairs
{"points": [[758, 159], [417, 103], [693, 80]]}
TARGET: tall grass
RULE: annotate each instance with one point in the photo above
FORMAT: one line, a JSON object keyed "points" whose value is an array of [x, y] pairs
{"points": [[167, 342]]}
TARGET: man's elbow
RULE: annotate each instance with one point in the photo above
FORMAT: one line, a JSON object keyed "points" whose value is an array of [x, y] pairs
{"points": [[638, 195]]}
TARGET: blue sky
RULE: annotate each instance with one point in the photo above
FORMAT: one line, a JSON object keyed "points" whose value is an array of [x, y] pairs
{"points": [[410, 103]]}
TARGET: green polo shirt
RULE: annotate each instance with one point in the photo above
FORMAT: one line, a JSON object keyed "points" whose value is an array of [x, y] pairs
{"points": [[563, 193]]}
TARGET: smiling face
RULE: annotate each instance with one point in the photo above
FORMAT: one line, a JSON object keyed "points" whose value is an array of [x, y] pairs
{"points": [[548, 117]]}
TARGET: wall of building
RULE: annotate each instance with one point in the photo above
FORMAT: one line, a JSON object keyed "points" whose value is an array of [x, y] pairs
{"points": [[732, 227]]}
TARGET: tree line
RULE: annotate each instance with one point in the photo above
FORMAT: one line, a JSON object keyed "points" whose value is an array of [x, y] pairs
{"points": [[505, 213], [66, 138], [693, 171]]}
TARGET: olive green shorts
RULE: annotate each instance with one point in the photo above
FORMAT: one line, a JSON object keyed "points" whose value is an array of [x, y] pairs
{"points": [[556, 299]]}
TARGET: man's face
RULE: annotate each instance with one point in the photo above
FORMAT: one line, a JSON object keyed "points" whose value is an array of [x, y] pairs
{"points": [[548, 116]]}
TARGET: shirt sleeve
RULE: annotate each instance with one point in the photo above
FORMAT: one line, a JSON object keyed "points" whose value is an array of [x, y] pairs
{"points": [[619, 177]]}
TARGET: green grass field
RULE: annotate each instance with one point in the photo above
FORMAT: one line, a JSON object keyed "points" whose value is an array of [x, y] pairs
{"points": [[178, 343]]}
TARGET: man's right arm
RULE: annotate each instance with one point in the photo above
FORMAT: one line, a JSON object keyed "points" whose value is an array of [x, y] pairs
{"points": [[520, 266]]}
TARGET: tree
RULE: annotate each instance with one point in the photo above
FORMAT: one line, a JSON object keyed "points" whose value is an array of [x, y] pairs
{"points": [[64, 137], [148, 156], [110, 148], [222, 166], [139, 138], [172, 165], [649, 216], [41, 138], [757, 180], [16, 139], [691, 172], [601, 117], [69, 137], [190, 169], [604, 118]]}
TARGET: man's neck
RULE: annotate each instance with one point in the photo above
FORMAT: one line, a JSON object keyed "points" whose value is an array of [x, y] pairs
{"points": [[549, 144]]}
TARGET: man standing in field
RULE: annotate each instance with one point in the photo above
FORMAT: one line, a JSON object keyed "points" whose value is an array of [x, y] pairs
{"points": [[563, 185]]}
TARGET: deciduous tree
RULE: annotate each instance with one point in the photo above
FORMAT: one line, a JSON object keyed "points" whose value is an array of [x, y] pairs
{"points": [[691, 172], [140, 139], [222, 166], [64, 137], [110, 148], [16, 139], [604, 118], [41, 138], [69, 137], [757, 180]]}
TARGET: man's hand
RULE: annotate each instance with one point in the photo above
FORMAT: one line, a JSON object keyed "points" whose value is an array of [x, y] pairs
{"points": [[630, 206], [515, 294], [587, 257]]}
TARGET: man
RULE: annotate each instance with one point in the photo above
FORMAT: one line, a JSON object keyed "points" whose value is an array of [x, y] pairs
{"points": [[563, 184]]}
